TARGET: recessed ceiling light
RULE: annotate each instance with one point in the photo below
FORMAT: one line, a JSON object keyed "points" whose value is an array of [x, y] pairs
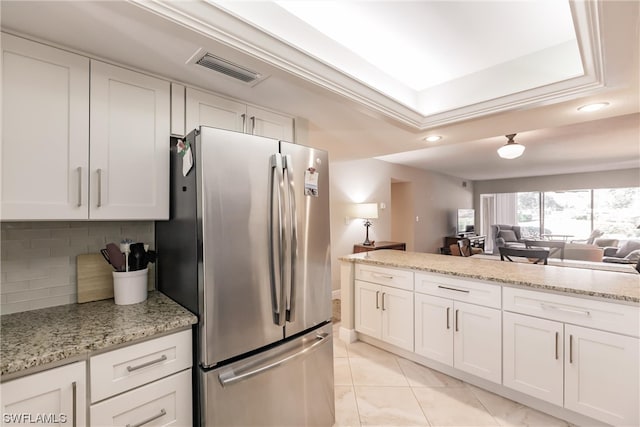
{"points": [[433, 138], [593, 107]]}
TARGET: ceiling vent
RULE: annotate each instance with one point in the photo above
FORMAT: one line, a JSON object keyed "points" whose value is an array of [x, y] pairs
{"points": [[223, 66]]}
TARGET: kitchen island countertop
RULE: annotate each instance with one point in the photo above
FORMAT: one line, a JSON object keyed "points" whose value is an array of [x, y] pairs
{"points": [[35, 338], [579, 281]]}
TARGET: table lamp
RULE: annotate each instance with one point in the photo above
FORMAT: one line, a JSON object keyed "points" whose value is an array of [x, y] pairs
{"points": [[366, 211]]}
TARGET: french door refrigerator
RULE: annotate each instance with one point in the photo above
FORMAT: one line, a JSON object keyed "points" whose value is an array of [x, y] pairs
{"points": [[247, 250]]}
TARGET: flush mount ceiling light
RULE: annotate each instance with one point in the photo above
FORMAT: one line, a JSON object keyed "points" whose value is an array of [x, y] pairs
{"points": [[433, 138], [593, 107], [511, 149]]}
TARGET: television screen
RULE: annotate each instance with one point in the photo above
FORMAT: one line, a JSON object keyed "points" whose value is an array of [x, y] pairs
{"points": [[466, 221]]}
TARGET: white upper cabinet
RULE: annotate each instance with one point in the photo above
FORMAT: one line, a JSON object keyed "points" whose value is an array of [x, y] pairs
{"points": [[267, 123], [45, 132], [81, 139], [207, 109], [129, 144]]}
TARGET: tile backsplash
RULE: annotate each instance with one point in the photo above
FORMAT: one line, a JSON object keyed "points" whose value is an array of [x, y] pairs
{"points": [[38, 259]]}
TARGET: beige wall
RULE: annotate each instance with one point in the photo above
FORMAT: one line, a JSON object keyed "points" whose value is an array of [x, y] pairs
{"points": [[402, 209], [435, 197]]}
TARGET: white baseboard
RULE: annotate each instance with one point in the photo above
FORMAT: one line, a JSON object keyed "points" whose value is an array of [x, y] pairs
{"points": [[335, 294]]}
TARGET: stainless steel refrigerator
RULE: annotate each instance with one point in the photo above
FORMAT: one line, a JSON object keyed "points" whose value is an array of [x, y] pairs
{"points": [[247, 250]]}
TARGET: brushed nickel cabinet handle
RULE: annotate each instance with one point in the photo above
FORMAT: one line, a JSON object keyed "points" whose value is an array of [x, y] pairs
{"points": [[383, 276], [453, 289], [148, 420], [557, 336], [99, 187], [377, 304], [448, 310], [149, 363], [456, 321], [244, 123], [570, 348], [253, 125], [74, 395], [79, 186], [383, 294]]}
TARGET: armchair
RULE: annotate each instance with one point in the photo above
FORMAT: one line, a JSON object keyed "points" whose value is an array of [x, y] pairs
{"points": [[627, 253], [507, 236]]}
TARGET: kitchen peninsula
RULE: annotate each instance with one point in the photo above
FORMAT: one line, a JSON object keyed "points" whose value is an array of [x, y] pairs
{"points": [[562, 340]]}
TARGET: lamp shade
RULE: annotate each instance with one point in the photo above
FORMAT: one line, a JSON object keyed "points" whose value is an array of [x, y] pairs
{"points": [[365, 211], [511, 150]]}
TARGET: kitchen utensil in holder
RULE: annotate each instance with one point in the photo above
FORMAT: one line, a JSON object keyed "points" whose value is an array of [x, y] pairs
{"points": [[130, 287]]}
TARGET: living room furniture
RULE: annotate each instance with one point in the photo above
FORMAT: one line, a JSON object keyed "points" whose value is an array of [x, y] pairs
{"points": [[627, 253], [366, 211], [555, 247], [556, 237], [474, 241], [592, 237], [466, 249], [583, 252], [534, 255], [400, 246], [506, 235]]}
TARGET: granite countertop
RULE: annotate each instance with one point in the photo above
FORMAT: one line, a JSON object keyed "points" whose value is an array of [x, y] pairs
{"points": [[38, 337], [594, 283]]}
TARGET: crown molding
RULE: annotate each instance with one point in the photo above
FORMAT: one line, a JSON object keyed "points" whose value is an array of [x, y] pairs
{"points": [[213, 22]]}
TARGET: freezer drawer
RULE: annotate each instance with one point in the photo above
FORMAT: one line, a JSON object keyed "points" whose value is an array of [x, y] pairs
{"points": [[289, 385]]}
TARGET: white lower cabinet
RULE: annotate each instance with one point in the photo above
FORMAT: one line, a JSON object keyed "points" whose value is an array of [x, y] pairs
{"points": [[162, 403], [384, 313], [53, 397], [145, 383], [465, 336], [602, 378], [533, 356], [589, 371]]}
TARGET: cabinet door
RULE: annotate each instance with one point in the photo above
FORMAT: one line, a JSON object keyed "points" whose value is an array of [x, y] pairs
{"points": [[129, 144], [533, 356], [267, 123], [397, 317], [205, 109], [166, 402], [57, 396], [602, 375], [45, 132], [368, 315], [477, 341], [434, 328]]}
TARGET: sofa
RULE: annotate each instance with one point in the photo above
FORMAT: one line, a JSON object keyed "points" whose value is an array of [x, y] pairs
{"points": [[506, 236], [628, 252]]}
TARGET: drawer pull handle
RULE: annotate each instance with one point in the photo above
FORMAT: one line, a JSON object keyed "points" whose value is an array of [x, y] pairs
{"points": [[454, 289], [377, 303], [383, 294], [456, 322], [74, 397], [570, 348], [448, 309], [384, 276], [148, 420], [149, 363], [568, 310]]}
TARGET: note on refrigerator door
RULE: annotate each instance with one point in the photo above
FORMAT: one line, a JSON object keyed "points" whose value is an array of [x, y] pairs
{"points": [[311, 182], [184, 150]]}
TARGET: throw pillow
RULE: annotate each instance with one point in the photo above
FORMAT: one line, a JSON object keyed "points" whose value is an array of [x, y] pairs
{"points": [[508, 235], [627, 247]]}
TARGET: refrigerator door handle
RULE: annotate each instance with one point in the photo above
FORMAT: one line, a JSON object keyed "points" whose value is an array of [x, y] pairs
{"points": [[276, 266], [290, 281], [229, 376]]}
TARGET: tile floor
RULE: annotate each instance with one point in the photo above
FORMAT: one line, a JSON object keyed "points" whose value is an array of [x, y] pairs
{"points": [[376, 388]]}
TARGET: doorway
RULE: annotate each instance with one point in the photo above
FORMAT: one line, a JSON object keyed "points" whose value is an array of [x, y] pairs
{"points": [[402, 212], [487, 217]]}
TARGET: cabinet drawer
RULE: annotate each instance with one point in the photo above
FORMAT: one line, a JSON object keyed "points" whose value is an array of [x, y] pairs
{"points": [[402, 279], [473, 292], [602, 315], [120, 370], [162, 403]]}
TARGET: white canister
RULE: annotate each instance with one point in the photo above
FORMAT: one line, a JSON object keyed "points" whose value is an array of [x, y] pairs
{"points": [[130, 287]]}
